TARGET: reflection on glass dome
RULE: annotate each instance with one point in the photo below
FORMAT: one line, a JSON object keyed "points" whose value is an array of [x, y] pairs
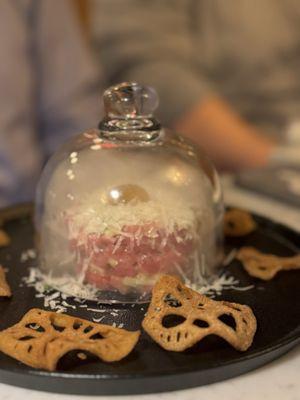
{"points": [[120, 205]]}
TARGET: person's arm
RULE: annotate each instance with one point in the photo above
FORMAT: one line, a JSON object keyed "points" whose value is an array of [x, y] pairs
{"points": [[150, 42], [231, 142], [69, 91]]}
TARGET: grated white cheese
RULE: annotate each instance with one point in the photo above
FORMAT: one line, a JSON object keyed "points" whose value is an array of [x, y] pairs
{"points": [[114, 314], [78, 300], [229, 257], [222, 282], [65, 304], [244, 288], [44, 286], [96, 216], [58, 301], [98, 319], [55, 295], [29, 254], [96, 147], [74, 154], [67, 285]]}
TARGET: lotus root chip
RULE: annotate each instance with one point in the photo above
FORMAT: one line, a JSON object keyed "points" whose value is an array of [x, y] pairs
{"points": [[4, 239], [4, 287], [179, 317], [265, 266], [238, 223], [42, 338]]}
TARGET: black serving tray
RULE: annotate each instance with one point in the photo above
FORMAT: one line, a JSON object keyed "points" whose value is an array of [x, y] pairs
{"points": [[149, 368]]}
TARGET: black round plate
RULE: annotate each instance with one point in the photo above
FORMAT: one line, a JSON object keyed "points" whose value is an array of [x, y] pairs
{"points": [[149, 368]]}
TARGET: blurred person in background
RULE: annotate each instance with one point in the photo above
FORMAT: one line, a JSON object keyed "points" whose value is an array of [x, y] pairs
{"points": [[227, 72], [49, 89]]}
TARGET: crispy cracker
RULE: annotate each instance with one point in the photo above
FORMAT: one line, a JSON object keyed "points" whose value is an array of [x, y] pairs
{"points": [[4, 239], [41, 338], [265, 266], [200, 317], [4, 287], [238, 223]]}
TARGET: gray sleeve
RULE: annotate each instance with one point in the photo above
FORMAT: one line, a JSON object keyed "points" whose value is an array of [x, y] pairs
{"points": [[150, 42], [69, 84]]}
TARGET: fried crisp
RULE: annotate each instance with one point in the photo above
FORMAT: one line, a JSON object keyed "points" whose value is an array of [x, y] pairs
{"points": [[4, 287], [41, 338], [238, 223], [179, 317], [4, 239], [265, 266]]}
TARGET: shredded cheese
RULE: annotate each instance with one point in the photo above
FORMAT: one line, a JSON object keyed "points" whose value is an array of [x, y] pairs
{"points": [[101, 218], [57, 301]]}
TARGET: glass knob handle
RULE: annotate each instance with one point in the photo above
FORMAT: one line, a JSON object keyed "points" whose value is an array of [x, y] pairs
{"points": [[130, 100]]}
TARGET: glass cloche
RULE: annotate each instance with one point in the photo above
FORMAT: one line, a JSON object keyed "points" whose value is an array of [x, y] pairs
{"points": [[120, 205]]}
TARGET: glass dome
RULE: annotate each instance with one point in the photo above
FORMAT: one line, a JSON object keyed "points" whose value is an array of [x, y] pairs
{"points": [[119, 205]]}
